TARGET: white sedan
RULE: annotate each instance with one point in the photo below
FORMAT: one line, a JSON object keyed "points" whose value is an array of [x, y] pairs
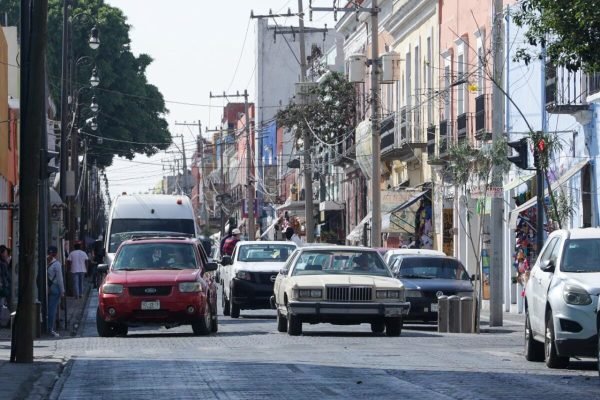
{"points": [[340, 285]]}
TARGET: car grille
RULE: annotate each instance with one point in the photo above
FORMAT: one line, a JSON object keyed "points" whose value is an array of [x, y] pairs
{"points": [[349, 293], [431, 294], [264, 277], [150, 290]]}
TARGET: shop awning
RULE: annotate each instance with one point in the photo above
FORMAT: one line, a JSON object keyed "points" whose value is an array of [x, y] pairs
{"points": [[290, 205], [356, 234], [401, 218], [514, 214], [518, 181], [330, 206]]}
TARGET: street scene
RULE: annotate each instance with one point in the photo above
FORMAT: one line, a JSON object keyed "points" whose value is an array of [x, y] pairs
{"points": [[299, 199]]}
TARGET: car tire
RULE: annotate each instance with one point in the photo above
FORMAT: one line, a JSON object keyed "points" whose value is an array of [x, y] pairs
{"points": [[105, 329], [224, 303], [121, 330], [294, 325], [234, 309], [534, 350], [202, 326], [393, 326], [553, 360], [281, 322], [378, 327]]}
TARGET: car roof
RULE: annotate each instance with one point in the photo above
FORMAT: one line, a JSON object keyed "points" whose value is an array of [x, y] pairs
{"points": [[336, 247], [186, 240], [583, 233], [415, 252], [265, 242]]}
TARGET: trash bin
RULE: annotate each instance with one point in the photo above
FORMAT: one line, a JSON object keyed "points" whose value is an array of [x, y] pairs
{"points": [[466, 315], [443, 313], [454, 314]]}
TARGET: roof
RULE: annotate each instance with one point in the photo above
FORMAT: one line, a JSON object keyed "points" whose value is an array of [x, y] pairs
{"points": [[415, 252], [584, 233], [158, 206]]}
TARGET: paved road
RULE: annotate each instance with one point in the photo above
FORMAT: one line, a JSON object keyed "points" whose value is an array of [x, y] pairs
{"points": [[249, 359]]}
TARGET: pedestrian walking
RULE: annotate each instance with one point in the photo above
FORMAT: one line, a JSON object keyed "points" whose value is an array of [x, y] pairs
{"points": [[291, 236], [231, 241], [77, 262], [227, 236], [56, 288]]}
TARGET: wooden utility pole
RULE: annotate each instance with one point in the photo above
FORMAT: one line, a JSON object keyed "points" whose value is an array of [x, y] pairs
{"points": [[33, 120], [250, 175]]}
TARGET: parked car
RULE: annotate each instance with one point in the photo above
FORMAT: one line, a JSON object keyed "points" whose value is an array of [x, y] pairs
{"points": [[247, 276], [425, 278], [392, 254], [160, 281], [340, 285], [561, 298]]}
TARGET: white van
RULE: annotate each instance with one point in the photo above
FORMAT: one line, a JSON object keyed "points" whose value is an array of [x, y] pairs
{"points": [[147, 214]]}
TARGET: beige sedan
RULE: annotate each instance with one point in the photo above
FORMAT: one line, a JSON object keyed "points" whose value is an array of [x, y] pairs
{"points": [[341, 285]]}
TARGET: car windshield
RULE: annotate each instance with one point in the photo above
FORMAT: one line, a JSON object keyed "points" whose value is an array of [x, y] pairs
{"points": [[120, 228], [139, 256], [265, 252], [432, 268], [336, 262], [581, 255]]}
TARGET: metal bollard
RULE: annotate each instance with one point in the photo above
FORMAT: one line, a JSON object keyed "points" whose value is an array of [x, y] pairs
{"points": [[443, 314], [466, 315], [454, 314]]}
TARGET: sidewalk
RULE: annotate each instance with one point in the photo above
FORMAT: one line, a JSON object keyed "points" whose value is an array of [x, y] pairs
{"points": [[35, 380], [510, 321]]}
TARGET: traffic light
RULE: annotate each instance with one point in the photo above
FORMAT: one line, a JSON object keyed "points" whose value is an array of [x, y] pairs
{"points": [[521, 160]]}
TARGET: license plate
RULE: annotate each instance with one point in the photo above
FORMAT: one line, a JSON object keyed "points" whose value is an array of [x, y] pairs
{"points": [[434, 307], [151, 305]]}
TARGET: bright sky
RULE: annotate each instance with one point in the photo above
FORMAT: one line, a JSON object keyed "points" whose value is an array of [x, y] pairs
{"points": [[196, 46]]}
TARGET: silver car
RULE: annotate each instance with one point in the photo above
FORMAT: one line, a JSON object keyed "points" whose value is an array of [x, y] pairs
{"points": [[561, 298]]}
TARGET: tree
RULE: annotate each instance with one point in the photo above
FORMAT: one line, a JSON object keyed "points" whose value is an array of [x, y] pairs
{"points": [[131, 117], [569, 30], [333, 113]]}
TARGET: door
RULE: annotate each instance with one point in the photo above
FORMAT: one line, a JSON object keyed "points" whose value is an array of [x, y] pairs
{"points": [[537, 287]]}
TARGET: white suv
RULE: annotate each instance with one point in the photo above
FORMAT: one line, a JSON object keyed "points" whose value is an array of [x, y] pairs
{"points": [[561, 298]]}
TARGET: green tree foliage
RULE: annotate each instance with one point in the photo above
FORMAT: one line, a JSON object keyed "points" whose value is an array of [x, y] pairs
{"points": [[568, 29], [131, 109], [333, 113]]}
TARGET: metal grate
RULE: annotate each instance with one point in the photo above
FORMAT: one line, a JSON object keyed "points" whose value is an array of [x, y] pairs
{"points": [[349, 293], [150, 290]]}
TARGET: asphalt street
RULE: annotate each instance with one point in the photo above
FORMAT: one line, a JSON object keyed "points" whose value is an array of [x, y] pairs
{"points": [[249, 359]]}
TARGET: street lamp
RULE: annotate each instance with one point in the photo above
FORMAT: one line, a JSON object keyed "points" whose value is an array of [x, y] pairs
{"points": [[94, 41], [94, 79], [94, 106]]}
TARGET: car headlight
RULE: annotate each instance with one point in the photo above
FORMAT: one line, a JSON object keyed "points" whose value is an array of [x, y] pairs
{"points": [[576, 295], [112, 288], [188, 287], [310, 293], [245, 275], [388, 294], [414, 293], [464, 294]]}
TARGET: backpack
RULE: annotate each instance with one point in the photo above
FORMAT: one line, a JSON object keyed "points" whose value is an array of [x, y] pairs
{"points": [[229, 245]]}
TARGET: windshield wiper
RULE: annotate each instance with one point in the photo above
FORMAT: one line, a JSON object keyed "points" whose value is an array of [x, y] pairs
{"points": [[127, 269], [415, 276]]}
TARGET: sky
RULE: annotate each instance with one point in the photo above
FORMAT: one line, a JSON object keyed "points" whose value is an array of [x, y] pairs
{"points": [[198, 47]]}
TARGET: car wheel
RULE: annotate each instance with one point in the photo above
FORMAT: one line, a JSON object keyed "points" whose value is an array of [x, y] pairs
{"points": [[234, 309], [281, 322], [121, 330], [294, 325], [553, 360], [224, 303], [534, 350], [377, 327], [203, 325], [393, 326], [105, 329]]}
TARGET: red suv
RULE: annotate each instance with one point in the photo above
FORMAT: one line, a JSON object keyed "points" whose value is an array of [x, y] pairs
{"points": [[161, 281]]}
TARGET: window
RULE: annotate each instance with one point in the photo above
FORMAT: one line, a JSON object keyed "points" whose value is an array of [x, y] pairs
{"points": [[460, 98], [547, 251], [581, 255], [428, 71]]}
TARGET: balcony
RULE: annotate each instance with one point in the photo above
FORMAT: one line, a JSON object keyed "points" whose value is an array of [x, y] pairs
{"points": [[401, 138], [344, 154], [431, 142], [566, 91], [461, 127]]}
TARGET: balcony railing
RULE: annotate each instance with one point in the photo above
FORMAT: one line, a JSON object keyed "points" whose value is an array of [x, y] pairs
{"points": [[479, 113], [566, 91], [431, 141], [461, 127], [400, 138]]}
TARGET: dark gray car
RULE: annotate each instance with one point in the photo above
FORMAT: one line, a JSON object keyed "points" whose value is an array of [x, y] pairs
{"points": [[427, 277]]}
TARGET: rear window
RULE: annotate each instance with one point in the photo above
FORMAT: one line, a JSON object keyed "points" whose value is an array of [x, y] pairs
{"points": [[265, 252], [581, 255], [431, 268], [155, 256]]}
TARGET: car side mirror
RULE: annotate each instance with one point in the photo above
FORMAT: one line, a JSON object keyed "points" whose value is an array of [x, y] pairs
{"points": [[547, 266], [226, 260], [211, 266], [103, 268], [283, 271]]}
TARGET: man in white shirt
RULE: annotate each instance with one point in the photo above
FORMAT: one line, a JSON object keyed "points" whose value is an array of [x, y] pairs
{"points": [[77, 262]]}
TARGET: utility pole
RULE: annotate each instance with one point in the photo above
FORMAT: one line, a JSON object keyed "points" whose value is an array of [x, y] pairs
{"points": [[497, 207], [222, 185], [249, 174], [64, 115], [34, 15], [375, 138]]}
